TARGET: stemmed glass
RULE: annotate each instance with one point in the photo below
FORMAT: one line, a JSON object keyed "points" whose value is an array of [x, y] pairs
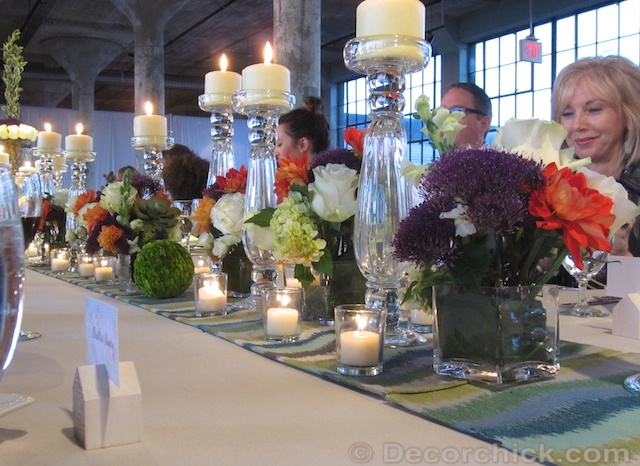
{"points": [[592, 265], [186, 208]]}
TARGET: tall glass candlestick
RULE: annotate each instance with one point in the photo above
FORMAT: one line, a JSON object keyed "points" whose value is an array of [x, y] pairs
{"points": [[221, 133], [47, 169], [383, 194], [152, 147], [78, 160], [263, 108]]}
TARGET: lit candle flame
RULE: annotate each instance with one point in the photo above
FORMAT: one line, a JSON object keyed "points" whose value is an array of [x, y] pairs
{"points": [[104, 262], [268, 53], [284, 300], [361, 322], [223, 62], [79, 128], [148, 108], [47, 126], [26, 164], [1, 148]]}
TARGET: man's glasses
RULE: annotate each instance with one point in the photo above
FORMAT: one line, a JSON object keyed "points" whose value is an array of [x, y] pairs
{"points": [[466, 110]]}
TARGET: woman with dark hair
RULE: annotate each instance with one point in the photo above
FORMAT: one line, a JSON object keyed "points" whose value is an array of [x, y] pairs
{"points": [[184, 173], [303, 130]]}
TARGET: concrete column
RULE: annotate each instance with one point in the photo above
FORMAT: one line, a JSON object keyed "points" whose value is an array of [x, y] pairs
{"points": [[148, 22], [453, 52], [296, 37], [83, 58]]}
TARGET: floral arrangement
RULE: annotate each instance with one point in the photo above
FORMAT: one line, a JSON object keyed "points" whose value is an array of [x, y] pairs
{"points": [[219, 217], [53, 220], [124, 216], [491, 217], [313, 222], [13, 132]]}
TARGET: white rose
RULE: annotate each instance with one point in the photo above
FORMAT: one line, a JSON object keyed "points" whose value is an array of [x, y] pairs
{"points": [[80, 221], [4, 132], [227, 215], [222, 245], [333, 193], [13, 132], [261, 237], [205, 241], [61, 197], [111, 198], [27, 132], [540, 140]]}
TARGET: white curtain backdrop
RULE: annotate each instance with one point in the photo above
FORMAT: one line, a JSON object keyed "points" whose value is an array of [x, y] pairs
{"points": [[112, 134]]}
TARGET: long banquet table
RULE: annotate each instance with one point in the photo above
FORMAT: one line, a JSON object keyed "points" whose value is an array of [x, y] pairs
{"points": [[207, 401]]}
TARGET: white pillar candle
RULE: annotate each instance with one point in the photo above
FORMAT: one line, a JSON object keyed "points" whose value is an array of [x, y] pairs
{"points": [[59, 265], [59, 164], [282, 321], [420, 317], [86, 270], [223, 83], [293, 282], [149, 125], [211, 299], [267, 75], [33, 250], [203, 269], [103, 273], [48, 140], [78, 142], [27, 168], [390, 17], [359, 348]]}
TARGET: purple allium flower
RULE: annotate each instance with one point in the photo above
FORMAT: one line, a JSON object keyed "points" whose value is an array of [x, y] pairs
{"points": [[423, 237], [214, 191], [494, 185]]}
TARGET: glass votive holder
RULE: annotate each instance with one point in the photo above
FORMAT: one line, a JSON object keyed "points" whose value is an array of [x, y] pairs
{"points": [[359, 339], [105, 269], [418, 317], [86, 265], [210, 293], [60, 260], [282, 313], [201, 263]]}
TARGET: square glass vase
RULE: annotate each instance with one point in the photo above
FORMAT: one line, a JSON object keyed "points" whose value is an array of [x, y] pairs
{"points": [[496, 335]]}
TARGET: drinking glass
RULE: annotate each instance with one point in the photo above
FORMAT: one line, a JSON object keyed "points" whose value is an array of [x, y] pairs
{"points": [[633, 384], [592, 265], [11, 269]]}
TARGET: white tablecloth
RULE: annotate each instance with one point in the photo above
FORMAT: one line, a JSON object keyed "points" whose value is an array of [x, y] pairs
{"points": [[206, 401]]}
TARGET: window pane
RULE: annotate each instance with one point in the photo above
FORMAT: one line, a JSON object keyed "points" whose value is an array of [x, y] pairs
{"points": [[542, 74], [564, 58], [609, 47], [630, 48], [507, 109], [508, 49], [492, 53], [566, 33], [523, 70], [492, 82], [542, 104], [587, 51], [543, 33], [586, 28], [508, 79], [629, 14], [495, 104], [607, 23], [524, 105], [479, 56]]}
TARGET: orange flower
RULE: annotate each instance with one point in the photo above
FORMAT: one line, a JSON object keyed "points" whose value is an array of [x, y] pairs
{"points": [[46, 209], [234, 182], [202, 214], [83, 199], [94, 215], [355, 138], [291, 170], [108, 237], [583, 214]]}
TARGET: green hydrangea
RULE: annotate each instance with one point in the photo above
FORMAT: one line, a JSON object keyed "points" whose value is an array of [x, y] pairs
{"points": [[296, 233], [163, 269]]}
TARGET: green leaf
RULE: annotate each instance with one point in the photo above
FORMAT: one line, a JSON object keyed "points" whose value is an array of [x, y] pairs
{"points": [[303, 274], [325, 264], [300, 188], [262, 218]]}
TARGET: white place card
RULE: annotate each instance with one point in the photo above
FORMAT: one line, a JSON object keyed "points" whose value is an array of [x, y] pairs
{"points": [[101, 323], [623, 275]]}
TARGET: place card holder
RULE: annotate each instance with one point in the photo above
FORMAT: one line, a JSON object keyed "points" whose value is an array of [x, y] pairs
{"points": [[105, 415], [626, 317]]}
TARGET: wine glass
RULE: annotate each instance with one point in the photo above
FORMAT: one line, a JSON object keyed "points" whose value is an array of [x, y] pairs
{"points": [[29, 194], [632, 383], [591, 266], [11, 269], [186, 207]]}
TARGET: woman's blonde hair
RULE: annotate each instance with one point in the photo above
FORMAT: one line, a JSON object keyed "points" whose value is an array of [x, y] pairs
{"points": [[613, 79]]}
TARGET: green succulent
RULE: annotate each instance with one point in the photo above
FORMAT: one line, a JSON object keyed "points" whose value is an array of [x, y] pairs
{"points": [[163, 269], [156, 213]]}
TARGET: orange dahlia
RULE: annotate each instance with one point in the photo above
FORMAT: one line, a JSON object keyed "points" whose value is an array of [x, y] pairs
{"points": [[291, 170], [83, 199], [109, 236], [567, 204], [201, 215], [234, 182], [355, 138], [94, 215]]}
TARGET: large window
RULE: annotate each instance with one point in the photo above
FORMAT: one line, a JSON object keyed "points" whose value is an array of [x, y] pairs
{"points": [[517, 89]]}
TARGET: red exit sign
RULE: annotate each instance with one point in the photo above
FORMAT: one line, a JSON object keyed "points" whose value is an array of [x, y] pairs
{"points": [[530, 50]]}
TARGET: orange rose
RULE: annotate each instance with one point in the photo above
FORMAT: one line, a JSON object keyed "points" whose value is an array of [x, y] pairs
{"points": [[583, 214]]}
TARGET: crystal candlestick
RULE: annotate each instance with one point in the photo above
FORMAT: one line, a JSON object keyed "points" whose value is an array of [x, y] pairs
{"points": [[262, 108], [79, 160], [384, 197], [47, 169], [59, 169], [152, 147], [221, 133]]}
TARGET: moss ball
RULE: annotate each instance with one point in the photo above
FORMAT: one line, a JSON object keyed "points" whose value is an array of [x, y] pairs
{"points": [[163, 269]]}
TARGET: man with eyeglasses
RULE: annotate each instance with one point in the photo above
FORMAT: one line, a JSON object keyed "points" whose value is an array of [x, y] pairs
{"points": [[476, 105]]}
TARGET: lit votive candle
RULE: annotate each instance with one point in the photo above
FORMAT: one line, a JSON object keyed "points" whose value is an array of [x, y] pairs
{"points": [[201, 266], [293, 282], [27, 168], [282, 321], [103, 271], [420, 317], [210, 293], [48, 141], [86, 266], [222, 84], [60, 260], [282, 308], [359, 339], [359, 348], [149, 125], [32, 251]]}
